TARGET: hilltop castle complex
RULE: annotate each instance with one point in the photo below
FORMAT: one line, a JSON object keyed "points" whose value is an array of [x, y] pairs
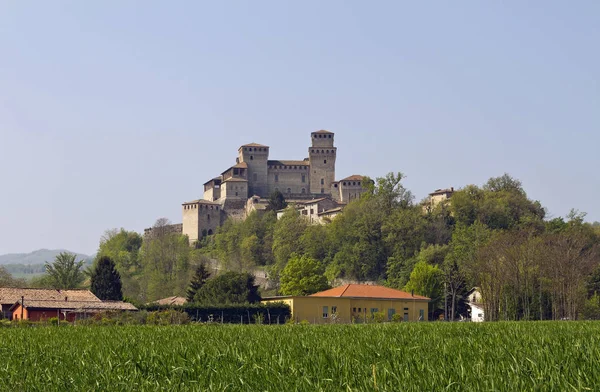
{"points": [[246, 185]]}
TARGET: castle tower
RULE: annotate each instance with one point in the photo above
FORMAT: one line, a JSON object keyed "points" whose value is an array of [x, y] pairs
{"points": [[322, 155], [255, 156]]}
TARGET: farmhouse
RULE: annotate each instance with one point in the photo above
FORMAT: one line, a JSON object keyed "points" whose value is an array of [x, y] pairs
{"points": [[475, 302], [42, 304], [355, 303]]}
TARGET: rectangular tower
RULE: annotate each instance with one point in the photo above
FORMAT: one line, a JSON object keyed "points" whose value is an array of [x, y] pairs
{"points": [[322, 155], [256, 156]]}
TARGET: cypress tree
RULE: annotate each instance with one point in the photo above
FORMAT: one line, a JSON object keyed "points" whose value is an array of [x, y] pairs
{"points": [[198, 280], [106, 280]]}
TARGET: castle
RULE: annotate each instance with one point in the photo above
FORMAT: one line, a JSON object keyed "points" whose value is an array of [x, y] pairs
{"points": [[246, 185]]}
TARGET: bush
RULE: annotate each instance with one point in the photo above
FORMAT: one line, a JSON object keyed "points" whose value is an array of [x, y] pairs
{"points": [[271, 313], [168, 317], [397, 317]]}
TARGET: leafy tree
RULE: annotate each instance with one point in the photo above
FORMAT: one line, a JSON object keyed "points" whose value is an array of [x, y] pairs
{"points": [[286, 238], [7, 280], [426, 280], [198, 280], [106, 280], [302, 275], [228, 288], [65, 272], [276, 201]]}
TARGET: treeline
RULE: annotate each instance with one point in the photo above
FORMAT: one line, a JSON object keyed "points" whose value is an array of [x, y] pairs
{"points": [[492, 237]]}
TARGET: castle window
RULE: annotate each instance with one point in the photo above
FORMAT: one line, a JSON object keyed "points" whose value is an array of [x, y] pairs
{"points": [[312, 151], [329, 136], [303, 190], [335, 185], [319, 136], [289, 190], [322, 181], [327, 151], [322, 151], [324, 160], [303, 178], [208, 217], [251, 157], [354, 183], [344, 183], [276, 177], [322, 190], [254, 148], [315, 136], [211, 207], [210, 232], [359, 183], [217, 208], [236, 193]]}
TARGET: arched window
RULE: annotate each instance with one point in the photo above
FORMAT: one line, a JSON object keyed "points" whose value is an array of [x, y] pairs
{"points": [[208, 217], [322, 151], [210, 232], [251, 157], [327, 151], [303, 190], [322, 181], [324, 160]]}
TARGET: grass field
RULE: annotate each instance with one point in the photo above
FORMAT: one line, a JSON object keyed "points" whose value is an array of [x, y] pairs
{"points": [[545, 356]]}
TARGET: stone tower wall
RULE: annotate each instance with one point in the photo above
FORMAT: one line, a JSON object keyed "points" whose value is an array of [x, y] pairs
{"points": [[256, 158]]}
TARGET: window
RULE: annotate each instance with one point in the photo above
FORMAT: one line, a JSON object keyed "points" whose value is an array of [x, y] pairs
{"points": [[236, 171], [303, 190], [322, 181], [208, 217], [421, 314], [325, 311], [374, 310], [324, 160], [353, 310], [391, 313], [329, 136], [311, 211], [276, 177], [289, 190], [304, 178], [327, 151], [405, 308], [405, 316], [251, 157], [322, 190], [236, 193], [333, 309], [344, 183], [335, 185]]}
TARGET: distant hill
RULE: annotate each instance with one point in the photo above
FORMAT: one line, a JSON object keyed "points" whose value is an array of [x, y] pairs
{"points": [[39, 256]]}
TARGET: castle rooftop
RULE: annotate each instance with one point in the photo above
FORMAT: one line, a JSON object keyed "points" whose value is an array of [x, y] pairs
{"points": [[253, 145], [201, 201], [288, 163], [324, 131], [354, 177]]}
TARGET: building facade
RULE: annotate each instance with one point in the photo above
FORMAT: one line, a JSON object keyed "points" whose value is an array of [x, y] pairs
{"points": [[355, 303], [247, 185]]}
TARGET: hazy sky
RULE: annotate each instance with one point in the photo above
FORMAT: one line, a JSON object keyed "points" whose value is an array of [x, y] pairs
{"points": [[114, 113]]}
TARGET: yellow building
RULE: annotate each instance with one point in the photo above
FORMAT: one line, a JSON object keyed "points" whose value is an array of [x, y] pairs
{"points": [[355, 302]]}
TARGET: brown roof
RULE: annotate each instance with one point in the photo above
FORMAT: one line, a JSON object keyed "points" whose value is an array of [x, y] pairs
{"points": [[242, 165], [442, 191], [235, 179], [354, 177], [170, 301], [337, 209], [367, 291], [9, 295], [216, 179], [75, 305], [253, 145], [202, 201], [323, 131], [288, 163]]}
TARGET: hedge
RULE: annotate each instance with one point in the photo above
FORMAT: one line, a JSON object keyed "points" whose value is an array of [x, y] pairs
{"points": [[271, 313]]}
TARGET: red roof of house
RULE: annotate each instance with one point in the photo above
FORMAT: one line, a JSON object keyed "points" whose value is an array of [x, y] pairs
{"points": [[367, 291]]}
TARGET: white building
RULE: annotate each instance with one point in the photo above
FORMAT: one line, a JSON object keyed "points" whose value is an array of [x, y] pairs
{"points": [[476, 303]]}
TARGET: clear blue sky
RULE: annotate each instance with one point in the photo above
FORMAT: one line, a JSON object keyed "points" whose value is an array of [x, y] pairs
{"points": [[114, 113]]}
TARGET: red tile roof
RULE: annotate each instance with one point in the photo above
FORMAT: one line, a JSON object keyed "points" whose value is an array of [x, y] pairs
{"points": [[10, 295], [367, 291], [354, 177]]}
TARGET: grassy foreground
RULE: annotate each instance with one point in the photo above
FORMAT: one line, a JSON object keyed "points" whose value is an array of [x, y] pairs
{"points": [[557, 356]]}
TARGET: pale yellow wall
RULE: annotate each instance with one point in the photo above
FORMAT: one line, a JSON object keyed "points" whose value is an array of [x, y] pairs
{"points": [[190, 222], [290, 177], [311, 308]]}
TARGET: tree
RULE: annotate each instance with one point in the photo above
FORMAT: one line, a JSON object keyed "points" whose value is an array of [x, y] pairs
{"points": [[198, 280], [65, 272], [426, 280], [106, 281], [276, 201], [228, 288], [7, 280], [302, 275]]}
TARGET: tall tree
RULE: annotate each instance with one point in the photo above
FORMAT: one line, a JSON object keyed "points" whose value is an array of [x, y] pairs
{"points": [[276, 201], [198, 280], [302, 275], [65, 272], [426, 280], [106, 280], [228, 288]]}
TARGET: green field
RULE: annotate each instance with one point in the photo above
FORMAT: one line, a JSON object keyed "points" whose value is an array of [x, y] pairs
{"points": [[545, 356]]}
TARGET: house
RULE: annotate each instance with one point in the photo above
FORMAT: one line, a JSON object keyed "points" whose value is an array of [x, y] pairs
{"points": [[42, 304], [169, 301], [316, 210], [355, 303], [9, 296], [475, 301]]}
